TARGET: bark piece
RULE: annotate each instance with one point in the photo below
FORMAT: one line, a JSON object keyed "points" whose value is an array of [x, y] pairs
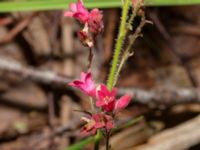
{"points": [[180, 137]]}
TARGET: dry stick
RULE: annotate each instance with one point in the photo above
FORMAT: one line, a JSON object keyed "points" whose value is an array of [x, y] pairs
{"points": [[67, 128], [90, 58], [51, 116], [6, 21], [162, 96], [45, 77], [51, 110], [178, 138], [165, 96]]}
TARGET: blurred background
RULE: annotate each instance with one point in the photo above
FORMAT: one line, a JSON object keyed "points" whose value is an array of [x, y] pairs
{"points": [[40, 53]]}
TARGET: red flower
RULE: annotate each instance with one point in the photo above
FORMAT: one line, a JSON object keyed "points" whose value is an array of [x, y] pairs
{"points": [[85, 84], [107, 100], [97, 121], [78, 11], [95, 21], [94, 18]]}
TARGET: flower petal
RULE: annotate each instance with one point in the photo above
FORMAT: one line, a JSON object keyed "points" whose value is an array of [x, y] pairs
{"points": [[83, 76], [99, 103], [73, 7], [122, 102], [68, 14]]}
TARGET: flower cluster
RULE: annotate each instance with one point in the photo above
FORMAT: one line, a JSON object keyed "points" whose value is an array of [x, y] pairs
{"points": [[104, 99], [97, 121], [92, 21]]}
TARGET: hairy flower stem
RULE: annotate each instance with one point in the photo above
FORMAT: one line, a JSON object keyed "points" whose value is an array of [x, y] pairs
{"points": [[127, 53], [107, 140], [90, 58], [98, 136], [118, 45]]}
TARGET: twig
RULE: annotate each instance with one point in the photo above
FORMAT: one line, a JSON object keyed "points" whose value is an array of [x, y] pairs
{"points": [[45, 77], [167, 96], [5, 21], [181, 137], [51, 117], [162, 96], [90, 58], [51, 110]]}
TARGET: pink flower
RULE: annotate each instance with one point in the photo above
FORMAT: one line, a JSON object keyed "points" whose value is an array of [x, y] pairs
{"points": [[97, 121], [85, 84], [78, 11], [95, 21], [107, 100]]}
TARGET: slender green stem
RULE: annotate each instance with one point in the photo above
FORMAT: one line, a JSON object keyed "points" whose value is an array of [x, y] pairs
{"points": [[79, 146], [127, 53], [119, 44], [98, 136]]}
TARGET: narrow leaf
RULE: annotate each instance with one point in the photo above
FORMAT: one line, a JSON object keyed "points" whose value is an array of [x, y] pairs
{"points": [[31, 5]]}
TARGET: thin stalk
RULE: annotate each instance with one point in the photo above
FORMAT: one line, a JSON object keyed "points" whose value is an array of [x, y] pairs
{"points": [[118, 45], [90, 58], [81, 144], [98, 136], [92, 104], [137, 31], [107, 140], [132, 39], [125, 54]]}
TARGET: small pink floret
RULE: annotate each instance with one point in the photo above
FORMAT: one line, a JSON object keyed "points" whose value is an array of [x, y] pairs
{"points": [[95, 21], [85, 84], [78, 11], [107, 99]]}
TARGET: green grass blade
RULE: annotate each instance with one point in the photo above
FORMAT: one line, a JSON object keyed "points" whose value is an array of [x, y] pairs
{"points": [[30, 5], [81, 144]]}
